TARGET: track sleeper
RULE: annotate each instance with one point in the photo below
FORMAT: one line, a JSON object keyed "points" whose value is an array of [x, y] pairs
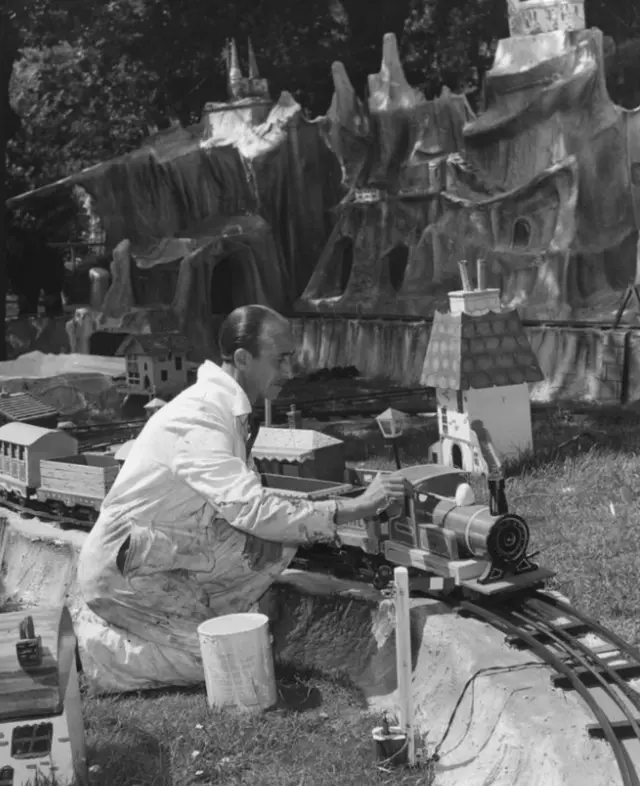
{"points": [[626, 671], [574, 628], [622, 729]]}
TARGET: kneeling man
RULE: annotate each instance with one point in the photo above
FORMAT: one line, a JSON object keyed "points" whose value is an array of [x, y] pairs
{"points": [[188, 532]]}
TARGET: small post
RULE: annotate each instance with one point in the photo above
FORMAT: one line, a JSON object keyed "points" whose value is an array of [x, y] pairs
{"points": [[463, 267], [267, 412], [481, 267], [403, 660], [396, 453]]}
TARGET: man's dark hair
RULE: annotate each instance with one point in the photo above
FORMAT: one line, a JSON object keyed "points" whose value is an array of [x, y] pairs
{"points": [[242, 329]]}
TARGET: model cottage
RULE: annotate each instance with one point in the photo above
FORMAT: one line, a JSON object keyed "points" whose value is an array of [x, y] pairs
{"points": [[41, 726], [156, 365], [480, 363]]}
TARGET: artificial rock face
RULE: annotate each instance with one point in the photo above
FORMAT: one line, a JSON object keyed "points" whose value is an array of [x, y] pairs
{"points": [[542, 183]]}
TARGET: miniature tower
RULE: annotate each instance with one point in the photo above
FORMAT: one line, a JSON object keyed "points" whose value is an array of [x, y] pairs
{"points": [[240, 87], [481, 364], [532, 17]]}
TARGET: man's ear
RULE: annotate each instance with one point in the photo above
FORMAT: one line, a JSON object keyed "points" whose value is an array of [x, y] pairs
{"points": [[241, 359]]}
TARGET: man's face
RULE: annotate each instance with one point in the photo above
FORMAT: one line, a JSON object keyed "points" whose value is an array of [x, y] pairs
{"points": [[268, 372]]}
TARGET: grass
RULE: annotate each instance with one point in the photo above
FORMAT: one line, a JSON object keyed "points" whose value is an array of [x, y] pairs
{"points": [[579, 492], [318, 734]]}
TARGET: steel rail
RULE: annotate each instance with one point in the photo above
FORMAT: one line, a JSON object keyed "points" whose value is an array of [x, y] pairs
{"points": [[596, 627], [629, 776], [574, 641], [581, 653]]}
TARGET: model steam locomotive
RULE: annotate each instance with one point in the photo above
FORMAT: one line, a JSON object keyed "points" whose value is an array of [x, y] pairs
{"points": [[443, 537]]}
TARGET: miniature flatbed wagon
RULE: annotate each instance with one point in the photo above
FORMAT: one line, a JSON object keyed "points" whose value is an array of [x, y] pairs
{"points": [[78, 483], [41, 725]]}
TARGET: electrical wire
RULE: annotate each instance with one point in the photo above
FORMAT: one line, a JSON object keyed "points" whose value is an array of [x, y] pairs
{"points": [[490, 670]]}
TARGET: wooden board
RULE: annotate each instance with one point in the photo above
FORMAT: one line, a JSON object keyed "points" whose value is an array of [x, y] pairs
{"points": [[78, 479], [39, 690]]}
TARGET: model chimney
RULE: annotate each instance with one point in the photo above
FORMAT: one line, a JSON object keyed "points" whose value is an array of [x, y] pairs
{"points": [[474, 301]]}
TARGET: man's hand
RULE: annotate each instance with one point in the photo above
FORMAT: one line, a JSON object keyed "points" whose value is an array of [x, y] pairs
{"points": [[386, 491]]}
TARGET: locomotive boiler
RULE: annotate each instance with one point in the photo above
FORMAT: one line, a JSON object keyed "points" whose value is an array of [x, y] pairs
{"points": [[443, 536]]}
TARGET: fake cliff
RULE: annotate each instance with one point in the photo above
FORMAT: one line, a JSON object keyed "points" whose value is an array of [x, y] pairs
{"points": [[544, 183], [230, 211]]}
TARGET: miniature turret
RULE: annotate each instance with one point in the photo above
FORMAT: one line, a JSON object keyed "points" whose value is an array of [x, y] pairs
{"points": [[240, 87], [234, 74]]}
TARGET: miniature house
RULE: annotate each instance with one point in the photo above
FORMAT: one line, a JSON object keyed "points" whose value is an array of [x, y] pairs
{"points": [[24, 408], [156, 365], [481, 364], [300, 453], [532, 17], [41, 726]]}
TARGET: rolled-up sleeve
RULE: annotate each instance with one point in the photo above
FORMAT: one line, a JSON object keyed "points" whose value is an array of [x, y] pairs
{"points": [[205, 461]]}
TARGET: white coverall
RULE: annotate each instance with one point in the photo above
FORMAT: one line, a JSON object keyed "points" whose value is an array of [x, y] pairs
{"points": [[204, 538]]}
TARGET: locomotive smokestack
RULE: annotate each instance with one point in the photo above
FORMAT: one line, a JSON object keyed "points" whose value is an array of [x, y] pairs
{"points": [[497, 496]]}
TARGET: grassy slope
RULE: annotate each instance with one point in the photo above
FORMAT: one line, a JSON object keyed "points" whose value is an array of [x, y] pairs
{"points": [[581, 501]]}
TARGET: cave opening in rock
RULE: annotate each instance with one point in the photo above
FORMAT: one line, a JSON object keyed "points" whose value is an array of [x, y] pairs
{"points": [[521, 236], [339, 268], [397, 260], [229, 287]]}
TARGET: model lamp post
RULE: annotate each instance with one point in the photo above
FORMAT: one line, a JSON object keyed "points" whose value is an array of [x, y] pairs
{"points": [[392, 424]]}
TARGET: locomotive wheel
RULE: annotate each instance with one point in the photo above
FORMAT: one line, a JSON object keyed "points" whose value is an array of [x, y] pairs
{"points": [[382, 577]]}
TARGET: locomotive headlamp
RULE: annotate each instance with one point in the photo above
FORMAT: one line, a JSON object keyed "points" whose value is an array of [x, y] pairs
{"points": [[392, 424]]}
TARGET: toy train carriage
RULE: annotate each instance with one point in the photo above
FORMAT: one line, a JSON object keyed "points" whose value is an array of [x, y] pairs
{"points": [[22, 446], [41, 726], [77, 485]]}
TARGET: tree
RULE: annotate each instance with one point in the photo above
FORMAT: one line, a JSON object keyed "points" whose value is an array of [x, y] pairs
{"points": [[9, 124]]}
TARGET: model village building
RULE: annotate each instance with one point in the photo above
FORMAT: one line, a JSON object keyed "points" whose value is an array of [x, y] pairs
{"points": [[480, 363], [156, 365]]}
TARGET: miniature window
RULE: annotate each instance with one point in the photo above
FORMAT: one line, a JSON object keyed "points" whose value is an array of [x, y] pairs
{"points": [[521, 236], [178, 363], [164, 376], [445, 425], [6, 776], [21, 453], [31, 742], [13, 452]]}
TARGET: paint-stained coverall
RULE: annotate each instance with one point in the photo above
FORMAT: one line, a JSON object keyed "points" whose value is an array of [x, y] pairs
{"points": [[187, 532]]}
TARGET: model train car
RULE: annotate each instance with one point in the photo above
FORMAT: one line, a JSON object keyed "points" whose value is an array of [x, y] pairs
{"points": [[41, 468], [443, 537]]}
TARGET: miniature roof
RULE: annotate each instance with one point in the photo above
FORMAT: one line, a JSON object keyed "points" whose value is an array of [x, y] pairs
{"points": [[148, 344], [37, 691], [490, 350], [26, 434], [155, 403], [123, 451], [22, 406], [286, 444]]}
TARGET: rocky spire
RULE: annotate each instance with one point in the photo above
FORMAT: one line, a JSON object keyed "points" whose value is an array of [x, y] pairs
{"points": [[253, 66]]}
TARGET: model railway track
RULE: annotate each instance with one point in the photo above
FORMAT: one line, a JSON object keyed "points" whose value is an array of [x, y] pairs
{"points": [[337, 406], [413, 319], [587, 658]]}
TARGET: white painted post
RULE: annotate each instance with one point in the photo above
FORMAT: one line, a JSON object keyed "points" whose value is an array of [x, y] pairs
{"points": [[267, 412], [403, 660]]}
